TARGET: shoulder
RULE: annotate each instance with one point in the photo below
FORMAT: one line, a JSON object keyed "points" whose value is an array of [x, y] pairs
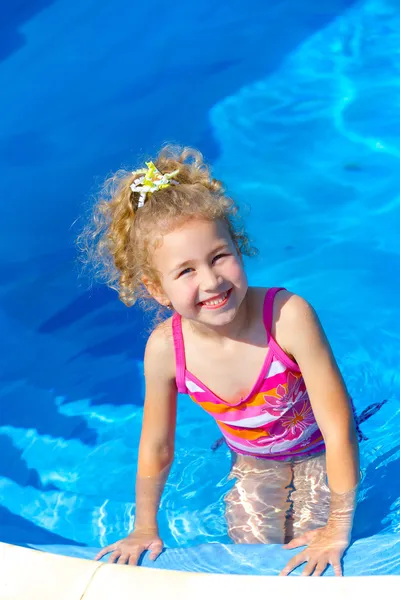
{"points": [[160, 351], [292, 308], [286, 304], [295, 321], [288, 309]]}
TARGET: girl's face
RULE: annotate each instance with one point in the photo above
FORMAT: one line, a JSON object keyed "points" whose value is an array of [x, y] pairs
{"points": [[202, 274]]}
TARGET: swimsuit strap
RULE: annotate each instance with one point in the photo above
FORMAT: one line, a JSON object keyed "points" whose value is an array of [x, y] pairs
{"points": [[269, 308], [179, 353], [179, 343]]}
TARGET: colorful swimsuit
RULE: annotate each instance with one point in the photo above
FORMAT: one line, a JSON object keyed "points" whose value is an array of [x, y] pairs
{"points": [[275, 420]]}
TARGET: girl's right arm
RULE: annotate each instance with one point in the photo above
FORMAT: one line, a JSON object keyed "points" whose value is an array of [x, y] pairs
{"points": [[156, 450]]}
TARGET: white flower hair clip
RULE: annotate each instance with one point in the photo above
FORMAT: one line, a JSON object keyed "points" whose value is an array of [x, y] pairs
{"points": [[151, 181]]}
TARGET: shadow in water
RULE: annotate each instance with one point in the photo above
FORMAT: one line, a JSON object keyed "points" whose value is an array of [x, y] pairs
{"points": [[20, 531], [13, 15], [127, 342], [385, 490], [14, 467], [78, 309], [24, 412], [118, 391]]}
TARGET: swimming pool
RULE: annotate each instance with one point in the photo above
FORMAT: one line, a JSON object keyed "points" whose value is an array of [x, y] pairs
{"points": [[305, 124]]}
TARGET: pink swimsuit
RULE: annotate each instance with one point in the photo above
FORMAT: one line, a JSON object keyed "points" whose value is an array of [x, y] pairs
{"points": [[275, 420]]}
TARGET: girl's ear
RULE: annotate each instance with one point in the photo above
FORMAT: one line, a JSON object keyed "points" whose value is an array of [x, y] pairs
{"points": [[156, 292]]}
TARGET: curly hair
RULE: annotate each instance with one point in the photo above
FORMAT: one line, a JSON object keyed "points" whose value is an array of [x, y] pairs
{"points": [[119, 239]]}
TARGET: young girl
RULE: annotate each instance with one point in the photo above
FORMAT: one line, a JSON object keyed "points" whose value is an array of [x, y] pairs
{"points": [[256, 359]]}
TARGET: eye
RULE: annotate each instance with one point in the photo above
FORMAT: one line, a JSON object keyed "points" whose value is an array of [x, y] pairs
{"points": [[219, 256], [185, 272]]}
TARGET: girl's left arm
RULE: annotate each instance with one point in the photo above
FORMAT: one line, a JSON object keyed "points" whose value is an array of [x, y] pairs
{"points": [[299, 331]]}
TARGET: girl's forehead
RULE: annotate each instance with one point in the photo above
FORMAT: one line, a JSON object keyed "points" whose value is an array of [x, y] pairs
{"points": [[192, 240], [202, 229]]}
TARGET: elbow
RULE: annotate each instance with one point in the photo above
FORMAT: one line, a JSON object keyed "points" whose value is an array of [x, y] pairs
{"points": [[165, 454], [339, 440], [155, 457], [341, 436], [342, 444]]}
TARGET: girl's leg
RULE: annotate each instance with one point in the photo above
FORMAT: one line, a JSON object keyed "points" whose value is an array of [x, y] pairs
{"points": [[310, 496], [257, 505]]}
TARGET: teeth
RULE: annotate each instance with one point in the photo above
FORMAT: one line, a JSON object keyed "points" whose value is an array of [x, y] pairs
{"points": [[216, 301]]}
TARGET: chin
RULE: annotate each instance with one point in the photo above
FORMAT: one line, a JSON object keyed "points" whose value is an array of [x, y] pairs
{"points": [[219, 320]]}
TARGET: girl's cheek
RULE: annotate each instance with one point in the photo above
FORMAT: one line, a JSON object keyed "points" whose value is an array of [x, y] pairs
{"points": [[185, 287], [191, 291], [191, 286], [237, 271]]}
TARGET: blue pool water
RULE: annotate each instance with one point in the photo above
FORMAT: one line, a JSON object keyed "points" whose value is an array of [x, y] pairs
{"points": [[297, 108]]}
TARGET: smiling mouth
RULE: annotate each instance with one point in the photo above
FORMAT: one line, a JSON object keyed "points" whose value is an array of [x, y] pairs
{"points": [[217, 301]]}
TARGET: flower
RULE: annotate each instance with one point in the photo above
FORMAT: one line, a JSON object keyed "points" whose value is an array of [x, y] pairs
{"points": [[298, 420], [151, 181], [278, 404]]}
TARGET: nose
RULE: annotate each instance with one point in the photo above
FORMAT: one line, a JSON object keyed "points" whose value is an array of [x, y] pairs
{"points": [[209, 280]]}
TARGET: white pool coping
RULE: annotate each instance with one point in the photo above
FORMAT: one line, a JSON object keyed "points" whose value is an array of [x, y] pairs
{"points": [[34, 575]]}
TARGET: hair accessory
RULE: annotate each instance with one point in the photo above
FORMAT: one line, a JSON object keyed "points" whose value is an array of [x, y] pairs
{"points": [[151, 181]]}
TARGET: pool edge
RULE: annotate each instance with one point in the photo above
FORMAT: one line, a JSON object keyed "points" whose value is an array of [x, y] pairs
{"points": [[40, 575]]}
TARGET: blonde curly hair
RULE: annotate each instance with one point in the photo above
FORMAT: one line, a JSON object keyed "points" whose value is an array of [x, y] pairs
{"points": [[119, 239]]}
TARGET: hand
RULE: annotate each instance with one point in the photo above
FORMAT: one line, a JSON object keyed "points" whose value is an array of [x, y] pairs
{"points": [[326, 546], [130, 549]]}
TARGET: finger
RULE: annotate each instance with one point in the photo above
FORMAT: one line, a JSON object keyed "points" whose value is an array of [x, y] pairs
{"points": [[309, 568], [134, 557], [156, 550], [337, 568], [123, 559], [303, 540], [113, 557], [294, 562], [320, 568], [105, 551]]}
